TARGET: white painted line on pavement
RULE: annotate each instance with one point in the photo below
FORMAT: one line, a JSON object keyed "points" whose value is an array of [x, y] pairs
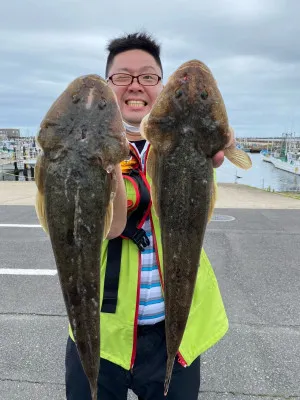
{"points": [[26, 271], [19, 226]]}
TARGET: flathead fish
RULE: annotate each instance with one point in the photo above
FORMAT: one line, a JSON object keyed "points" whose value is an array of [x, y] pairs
{"points": [[186, 127], [82, 138]]}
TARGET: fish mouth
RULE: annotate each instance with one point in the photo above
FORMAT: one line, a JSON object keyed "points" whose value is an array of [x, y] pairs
{"points": [[136, 103]]}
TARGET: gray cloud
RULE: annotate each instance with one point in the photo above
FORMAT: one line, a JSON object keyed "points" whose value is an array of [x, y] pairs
{"points": [[252, 47]]}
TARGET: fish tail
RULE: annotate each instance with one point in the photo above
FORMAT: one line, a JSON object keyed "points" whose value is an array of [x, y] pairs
{"points": [[212, 201], [169, 370], [93, 387]]}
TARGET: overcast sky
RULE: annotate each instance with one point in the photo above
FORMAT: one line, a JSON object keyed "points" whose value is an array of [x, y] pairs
{"points": [[251, 46]]}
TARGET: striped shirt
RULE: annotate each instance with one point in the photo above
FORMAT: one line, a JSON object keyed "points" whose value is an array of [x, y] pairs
{"points": [[151, 304]]}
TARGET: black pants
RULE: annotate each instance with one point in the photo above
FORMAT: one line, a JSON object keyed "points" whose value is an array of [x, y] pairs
{"points": [[146, 379]]}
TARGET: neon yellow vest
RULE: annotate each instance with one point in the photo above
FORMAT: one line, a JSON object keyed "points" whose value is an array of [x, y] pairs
{"points": [[207, 322]]}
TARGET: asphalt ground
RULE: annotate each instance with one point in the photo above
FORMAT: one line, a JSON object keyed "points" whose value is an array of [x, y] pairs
{"points": [[256, 259]]}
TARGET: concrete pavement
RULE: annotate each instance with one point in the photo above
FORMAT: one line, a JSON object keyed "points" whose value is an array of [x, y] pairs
{"points": [[256, 259], [229, 196]]}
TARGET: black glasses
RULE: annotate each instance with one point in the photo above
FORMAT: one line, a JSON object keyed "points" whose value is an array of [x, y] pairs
{"points": [[127, 79]]}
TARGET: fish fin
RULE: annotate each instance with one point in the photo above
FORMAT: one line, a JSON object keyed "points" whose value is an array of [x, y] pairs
{"points": [[40, 197], [238, 157], [108, 219], [150, 166], [110, 208], [143, 126], [152, 160], [212, 201], [40, 210]]}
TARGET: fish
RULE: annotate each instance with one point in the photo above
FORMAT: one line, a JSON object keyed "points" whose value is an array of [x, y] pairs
{"points": [[82, 137], [186, 127]]}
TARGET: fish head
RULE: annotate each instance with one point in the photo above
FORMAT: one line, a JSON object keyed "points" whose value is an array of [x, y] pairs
{"points": [[86, 117], [192, 104]]}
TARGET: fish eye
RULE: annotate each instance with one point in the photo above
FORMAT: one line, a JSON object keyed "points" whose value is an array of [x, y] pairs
{"points": [[48, 124], [204, 95], [75, 98], [178, 93], [102, 104]]}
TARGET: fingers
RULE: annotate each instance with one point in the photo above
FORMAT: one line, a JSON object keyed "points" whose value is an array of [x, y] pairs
{"points": [[218, 159], [231, 137]]}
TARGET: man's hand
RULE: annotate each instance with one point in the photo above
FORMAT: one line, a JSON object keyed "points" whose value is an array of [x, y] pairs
{"points": [[218, 158]]}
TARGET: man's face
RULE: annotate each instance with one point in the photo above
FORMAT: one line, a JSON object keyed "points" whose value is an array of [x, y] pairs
{"points": [[135, 100]]}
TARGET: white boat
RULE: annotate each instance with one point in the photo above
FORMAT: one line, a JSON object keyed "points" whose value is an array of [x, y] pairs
{"points": [[287, 158], [265, 156], [291, 164], [268, 156]]}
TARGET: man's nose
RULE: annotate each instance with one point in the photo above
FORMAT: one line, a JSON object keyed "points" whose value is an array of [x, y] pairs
{"points": [[135, 85]]}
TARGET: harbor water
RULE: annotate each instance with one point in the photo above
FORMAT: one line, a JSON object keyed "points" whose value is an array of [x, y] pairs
{"points": [[262, 175]]}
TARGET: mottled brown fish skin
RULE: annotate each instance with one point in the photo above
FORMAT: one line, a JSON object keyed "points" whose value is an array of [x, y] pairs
{"points": [[82, 136], [187, 126]]}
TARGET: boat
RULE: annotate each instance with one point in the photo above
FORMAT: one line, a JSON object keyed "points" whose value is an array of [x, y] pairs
{"points": [[268, 156], [18, 156], [287, 159], [290, 164], [265, 155]]}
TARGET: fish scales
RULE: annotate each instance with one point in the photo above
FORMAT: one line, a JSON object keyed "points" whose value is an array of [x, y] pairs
{"points": [[184, 207], [80, 215], [82, 137], [187, 203], [186, 127]]}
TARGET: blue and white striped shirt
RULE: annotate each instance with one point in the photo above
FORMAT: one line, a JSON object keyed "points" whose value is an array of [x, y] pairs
{"points": [[151, 304]]}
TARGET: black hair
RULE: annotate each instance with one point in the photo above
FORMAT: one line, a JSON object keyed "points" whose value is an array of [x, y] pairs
{"points": [[132, 41]]}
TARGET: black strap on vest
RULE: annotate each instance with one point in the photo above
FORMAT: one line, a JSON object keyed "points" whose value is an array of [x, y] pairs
{"points": [[131, 231], [114, 250], [111, 283]]}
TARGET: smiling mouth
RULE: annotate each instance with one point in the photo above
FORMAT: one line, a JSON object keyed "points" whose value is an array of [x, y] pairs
{"points": [[136, 103]]}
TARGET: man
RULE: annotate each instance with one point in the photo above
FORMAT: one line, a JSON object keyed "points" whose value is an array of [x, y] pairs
{"points": [[133, 347]]}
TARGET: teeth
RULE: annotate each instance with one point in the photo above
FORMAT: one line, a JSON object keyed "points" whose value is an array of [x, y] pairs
{"points": [[135, 103]]}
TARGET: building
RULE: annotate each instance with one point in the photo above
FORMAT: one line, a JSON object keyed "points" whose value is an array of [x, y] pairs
{"points": [[9, 133]]}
